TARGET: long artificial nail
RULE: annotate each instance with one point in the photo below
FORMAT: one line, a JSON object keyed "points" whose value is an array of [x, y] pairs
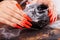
{"points": [[18, 6], [23, 23], [27, 26], [27, 17], [16, 26], [49, 14], [51, 20], [28, 23]]}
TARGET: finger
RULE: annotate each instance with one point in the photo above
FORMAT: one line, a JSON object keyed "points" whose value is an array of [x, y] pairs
{"points": [[27, 26], [17, 26], [6, 21], [20, 12], [49, 12], [18, 6], [14, 25], [27, 17], [2, 20], [51, 20], [52, 16], [28, 23], [14, 21], [12, 13], [8, 12], [24, 14], [24, 24], [12, 7], [11, 19]]}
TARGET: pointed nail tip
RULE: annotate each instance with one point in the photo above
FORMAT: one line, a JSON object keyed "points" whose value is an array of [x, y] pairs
{"points": [[28, 23], [18, 5], [29, 27], [27, 17], [17, 27]]}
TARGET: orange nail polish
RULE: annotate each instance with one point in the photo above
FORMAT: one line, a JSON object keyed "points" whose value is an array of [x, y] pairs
{"points": [[27, 17], [16, 26], [28, 23], [18, 5], [26, 26]]}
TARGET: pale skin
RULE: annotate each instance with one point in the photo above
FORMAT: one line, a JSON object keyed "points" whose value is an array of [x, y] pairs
{"points": [[10, 14]]}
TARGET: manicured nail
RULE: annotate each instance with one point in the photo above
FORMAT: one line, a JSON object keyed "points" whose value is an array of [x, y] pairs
{"points": [[18, 6], [16, 26], [27, 26], [28, 23], [27, 17], [49, 14], [24, 24]]}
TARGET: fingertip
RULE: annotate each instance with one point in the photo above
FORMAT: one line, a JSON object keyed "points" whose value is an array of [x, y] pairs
{"points": [[55, 18], [23, 23], [17, 26], [27, 17], [49, 13], [18, 6], [28, 23], [27, 26]]}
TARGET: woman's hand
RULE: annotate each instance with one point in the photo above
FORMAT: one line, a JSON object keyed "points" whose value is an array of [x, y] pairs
{"points": [[52, 12], [12, 14]]}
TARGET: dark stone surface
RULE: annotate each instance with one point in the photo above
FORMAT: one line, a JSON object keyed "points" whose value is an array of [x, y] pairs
{"points": [[45, 33]]}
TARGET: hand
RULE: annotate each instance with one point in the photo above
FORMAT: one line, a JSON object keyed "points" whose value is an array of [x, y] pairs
{"points": [[52, 14], [12, 14]]}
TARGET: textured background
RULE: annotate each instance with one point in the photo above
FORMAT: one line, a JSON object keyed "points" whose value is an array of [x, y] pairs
{"points": [[46, 33], [43, 34]]}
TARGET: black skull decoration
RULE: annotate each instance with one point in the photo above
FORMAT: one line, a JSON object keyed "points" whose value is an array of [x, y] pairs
{"points": [[38, 14]]}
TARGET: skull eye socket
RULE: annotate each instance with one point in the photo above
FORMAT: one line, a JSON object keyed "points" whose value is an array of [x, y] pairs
{"points": [[40, 12], [42, 7]]}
